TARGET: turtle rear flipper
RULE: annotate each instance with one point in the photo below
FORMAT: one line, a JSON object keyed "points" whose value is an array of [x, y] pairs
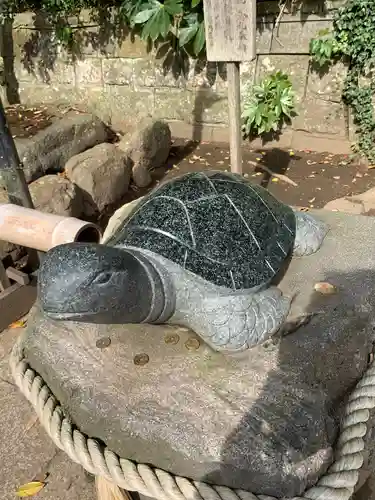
{"points": [[238, 322], [310, 233]]}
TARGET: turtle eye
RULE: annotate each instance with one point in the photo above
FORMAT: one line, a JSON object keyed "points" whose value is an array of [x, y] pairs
{"points": [[102, 278]]}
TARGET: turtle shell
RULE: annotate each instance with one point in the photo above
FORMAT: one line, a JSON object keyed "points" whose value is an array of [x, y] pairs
{"points": [[216, 225]]}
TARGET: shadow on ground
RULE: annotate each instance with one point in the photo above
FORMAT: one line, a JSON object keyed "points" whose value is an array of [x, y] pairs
{"points": [[318, 366]]}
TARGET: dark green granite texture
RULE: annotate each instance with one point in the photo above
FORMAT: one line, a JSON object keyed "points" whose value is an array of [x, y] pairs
{"points": [[216, 225]]}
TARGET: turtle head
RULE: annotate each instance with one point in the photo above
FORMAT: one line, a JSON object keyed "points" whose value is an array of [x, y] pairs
{"points": [[99, 284]]}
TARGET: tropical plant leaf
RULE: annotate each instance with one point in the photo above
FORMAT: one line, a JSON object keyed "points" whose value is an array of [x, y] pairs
{"points": [[144, 15], [158, 25], [199, 40], [268, 104], [185, 35], [173, 7]]}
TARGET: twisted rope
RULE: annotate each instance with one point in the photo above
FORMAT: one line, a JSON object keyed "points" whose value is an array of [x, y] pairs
{"points": [[337, 483]]}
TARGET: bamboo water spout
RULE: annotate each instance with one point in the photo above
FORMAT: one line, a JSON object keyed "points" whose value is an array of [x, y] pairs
{"points": [[40, 231]]}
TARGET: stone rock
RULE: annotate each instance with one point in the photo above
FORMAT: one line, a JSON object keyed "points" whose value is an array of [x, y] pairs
{"points": [[141, 176], [265, 420], [118, 217], [348, 205], [51, 148], [102, 173], [358, 204], [56, 195], [148, 147], [367, 198]]}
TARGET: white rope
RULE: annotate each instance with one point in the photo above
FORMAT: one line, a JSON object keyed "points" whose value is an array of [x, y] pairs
{"points": [[337, 483]]}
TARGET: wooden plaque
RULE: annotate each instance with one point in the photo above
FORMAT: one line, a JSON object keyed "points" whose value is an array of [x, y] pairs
{"points": [[230, 30]]}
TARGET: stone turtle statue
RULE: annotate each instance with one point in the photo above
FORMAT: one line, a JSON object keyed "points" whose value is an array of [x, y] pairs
{"points": [[199, 251]]}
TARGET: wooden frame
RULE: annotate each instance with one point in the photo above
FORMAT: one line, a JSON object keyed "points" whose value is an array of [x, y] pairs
{"points": [[230, 27], [17, 298]]}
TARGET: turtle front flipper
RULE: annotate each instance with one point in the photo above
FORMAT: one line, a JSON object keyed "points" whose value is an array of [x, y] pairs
{"points": [[310, 233], [236, 322]]}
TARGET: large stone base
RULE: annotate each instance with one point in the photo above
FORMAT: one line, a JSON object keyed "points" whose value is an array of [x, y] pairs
{"points": [[265, 420]]}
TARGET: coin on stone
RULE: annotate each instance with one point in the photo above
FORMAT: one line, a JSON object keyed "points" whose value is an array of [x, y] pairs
{"points": [[141, 359], [103, 342], [172, 338], [192, 344]]}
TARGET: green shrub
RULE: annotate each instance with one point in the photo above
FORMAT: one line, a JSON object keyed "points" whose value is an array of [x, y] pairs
{"points": [[268, 105]]}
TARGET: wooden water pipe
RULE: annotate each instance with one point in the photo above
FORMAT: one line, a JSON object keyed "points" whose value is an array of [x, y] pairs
{"points": [[41, 231]]}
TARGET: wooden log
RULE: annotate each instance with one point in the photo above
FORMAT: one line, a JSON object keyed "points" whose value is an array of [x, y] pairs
{"points": [[17, 276]]}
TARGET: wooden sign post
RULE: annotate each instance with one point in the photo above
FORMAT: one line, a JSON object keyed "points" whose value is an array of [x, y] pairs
{"points": [[230, 37]]}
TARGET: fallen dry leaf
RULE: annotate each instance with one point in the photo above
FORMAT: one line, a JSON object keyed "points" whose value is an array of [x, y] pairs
{"points": [[275, 179], [30, 489], [312, 200], [371, 166], [336, 177], [18, 324], [325, 288], [291, 153]]}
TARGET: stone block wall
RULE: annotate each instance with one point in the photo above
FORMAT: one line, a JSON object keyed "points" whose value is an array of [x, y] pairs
{"points": [[120, 79]]}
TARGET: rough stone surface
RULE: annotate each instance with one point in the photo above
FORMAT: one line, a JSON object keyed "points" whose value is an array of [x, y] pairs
{"points": [[26, 449], [198, 413], [141, 175], [51, 148], [148, 148], [56, 195], [363, 203], [103, 175], [347, 205], [121, 81]]}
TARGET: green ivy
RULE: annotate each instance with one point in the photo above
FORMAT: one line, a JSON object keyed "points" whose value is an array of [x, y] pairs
{"points": [[353, 41], [268, 105], [324, 49]]}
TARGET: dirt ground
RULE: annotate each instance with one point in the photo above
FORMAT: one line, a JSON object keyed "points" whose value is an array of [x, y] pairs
{"points": [[319, 177]]}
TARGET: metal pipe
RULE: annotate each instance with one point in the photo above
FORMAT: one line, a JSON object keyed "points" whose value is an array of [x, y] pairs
{"points": [[41, 231]]}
